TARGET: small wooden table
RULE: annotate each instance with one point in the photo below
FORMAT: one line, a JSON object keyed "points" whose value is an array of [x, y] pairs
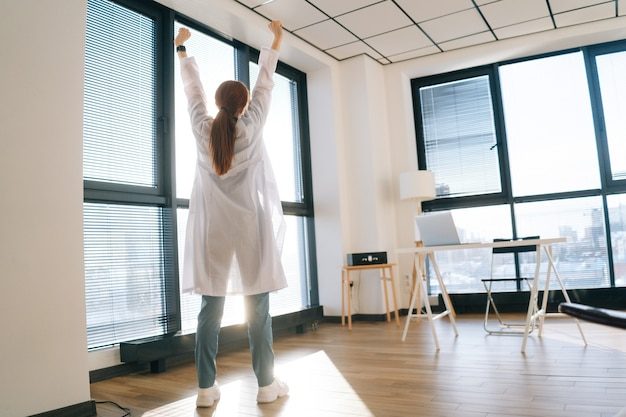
{"points": [[386, 275]]}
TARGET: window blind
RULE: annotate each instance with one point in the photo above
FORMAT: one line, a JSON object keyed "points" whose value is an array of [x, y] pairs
{"points": [[128, 248], [459, 134], [120, 96], [125, 289]]}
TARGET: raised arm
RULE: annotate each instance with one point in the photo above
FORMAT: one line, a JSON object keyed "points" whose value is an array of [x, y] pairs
{"points": [[276, 27], [196, 101], [262, 92]]}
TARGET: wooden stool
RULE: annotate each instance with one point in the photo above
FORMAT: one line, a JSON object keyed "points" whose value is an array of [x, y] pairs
{"points": [[386, 275]]}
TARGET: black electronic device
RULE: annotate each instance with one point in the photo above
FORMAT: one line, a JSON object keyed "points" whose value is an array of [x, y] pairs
{"points": [[367, 258]]}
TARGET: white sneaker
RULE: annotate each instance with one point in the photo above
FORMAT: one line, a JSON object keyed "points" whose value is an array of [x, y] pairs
{"points": [[207, 396], [272, 391]]}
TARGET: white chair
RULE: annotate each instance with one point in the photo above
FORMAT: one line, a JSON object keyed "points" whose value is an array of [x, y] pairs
{"points": [[505, 327]]}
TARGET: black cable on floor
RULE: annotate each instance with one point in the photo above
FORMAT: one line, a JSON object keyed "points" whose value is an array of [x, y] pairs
{"points": [[124, 409]]}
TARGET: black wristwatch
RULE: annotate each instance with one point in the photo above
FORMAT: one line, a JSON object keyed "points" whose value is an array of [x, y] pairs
{"points": [[181, 48]]}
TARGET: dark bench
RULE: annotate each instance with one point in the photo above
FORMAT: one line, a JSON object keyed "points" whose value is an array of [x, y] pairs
{"points": [[155, 350], [598, 315]]}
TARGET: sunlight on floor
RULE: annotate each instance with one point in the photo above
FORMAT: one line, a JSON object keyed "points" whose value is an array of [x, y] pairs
{"points": [[312, 379]]}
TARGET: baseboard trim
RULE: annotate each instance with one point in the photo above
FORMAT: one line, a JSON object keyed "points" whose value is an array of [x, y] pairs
{"points": [[86, 409]]}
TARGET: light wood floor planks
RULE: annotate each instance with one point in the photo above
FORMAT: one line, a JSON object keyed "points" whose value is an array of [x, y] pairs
{"points": [[333, 372]]}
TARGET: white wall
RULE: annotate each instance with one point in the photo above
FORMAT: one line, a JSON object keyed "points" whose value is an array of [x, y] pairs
{"points": [[43, 347]]}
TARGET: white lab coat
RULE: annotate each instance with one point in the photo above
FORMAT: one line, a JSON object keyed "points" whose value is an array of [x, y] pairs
{"points": [[235, 228]]}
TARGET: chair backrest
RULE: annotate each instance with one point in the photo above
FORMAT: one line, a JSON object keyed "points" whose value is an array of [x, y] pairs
{"points": [[516, 249]]}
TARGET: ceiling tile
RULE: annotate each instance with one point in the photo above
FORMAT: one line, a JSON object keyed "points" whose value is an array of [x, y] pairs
{"points": [[470, 40], [334, 7], [454, 26], [588, 14], [559, 6], [509, 12], [426, 10], [294, 14], [621, 7], [537, 25], [326, 34], [399, 41], [373, 20], [429, 50], [353, 49]]}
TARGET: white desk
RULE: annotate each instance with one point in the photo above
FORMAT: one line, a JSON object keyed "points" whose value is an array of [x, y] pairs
{"points": [[420, 254]]}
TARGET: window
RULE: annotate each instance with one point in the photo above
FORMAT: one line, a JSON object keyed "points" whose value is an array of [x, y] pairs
{"points": [[611, 69], [463, 269], [127, 256], [120, 138], [547, 110], [556, 121], [138, 173], [124, 277], [459, 136], [280, 130], [582, 261], [617, 221]]}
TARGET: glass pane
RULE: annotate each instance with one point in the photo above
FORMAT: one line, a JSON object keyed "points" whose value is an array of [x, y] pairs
{"points": [[296, 296], [459, 137], [216, 61], [549, 125], [611, 70], [462, 270], [582, 261], [124, 273], [288, 300], [617, 220], [119, 128], [281, 136]]}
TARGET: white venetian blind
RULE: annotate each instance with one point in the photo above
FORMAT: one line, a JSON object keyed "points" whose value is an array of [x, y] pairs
{"points": [[459, 137], [126, 250], [125, 287], [120, 96]]}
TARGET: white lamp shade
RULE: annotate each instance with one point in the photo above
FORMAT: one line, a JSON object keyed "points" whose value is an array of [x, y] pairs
{"points": [[417, 185]]}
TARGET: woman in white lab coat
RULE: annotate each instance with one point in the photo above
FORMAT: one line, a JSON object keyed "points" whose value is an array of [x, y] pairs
{"points": [[235, 227]]}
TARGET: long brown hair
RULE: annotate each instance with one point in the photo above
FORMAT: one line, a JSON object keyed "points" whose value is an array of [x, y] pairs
{"points": [[230, 97]]}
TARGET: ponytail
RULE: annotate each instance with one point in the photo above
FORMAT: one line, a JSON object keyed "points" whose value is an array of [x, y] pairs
{"points": [[222, 141], [231, 97]]}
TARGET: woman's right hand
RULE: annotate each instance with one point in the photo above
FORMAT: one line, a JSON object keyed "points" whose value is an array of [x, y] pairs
{"points": [[183, 35], [276, 27]]}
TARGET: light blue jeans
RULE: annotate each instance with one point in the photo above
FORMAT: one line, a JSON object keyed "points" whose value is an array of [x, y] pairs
{"points": [[259, 337]]}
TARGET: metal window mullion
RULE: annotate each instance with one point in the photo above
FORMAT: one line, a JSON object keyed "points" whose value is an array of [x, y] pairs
{"points": [[166, 94]]}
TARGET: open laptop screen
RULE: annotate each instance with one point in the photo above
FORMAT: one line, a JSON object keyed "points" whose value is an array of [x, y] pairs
{"points": [[437, 229]]}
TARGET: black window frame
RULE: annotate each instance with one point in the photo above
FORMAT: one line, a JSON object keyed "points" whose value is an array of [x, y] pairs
{"points": [[163, 195], [125, 194], [608, 185]]}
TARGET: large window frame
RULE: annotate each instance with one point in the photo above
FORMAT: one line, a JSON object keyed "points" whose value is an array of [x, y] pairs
{"points": [[608, 187], [163, 195]]}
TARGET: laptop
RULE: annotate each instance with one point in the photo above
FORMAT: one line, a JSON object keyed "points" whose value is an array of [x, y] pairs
{"points": [[437, 229]]}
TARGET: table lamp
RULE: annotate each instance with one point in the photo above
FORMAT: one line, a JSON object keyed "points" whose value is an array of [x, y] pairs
{"points": [[418, 186]]}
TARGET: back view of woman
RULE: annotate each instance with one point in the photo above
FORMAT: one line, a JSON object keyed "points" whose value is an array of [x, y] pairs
{"points": [[235, 227]]}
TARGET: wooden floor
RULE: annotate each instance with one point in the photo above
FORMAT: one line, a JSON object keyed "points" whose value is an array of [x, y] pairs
{"points": [[368, 371]]}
